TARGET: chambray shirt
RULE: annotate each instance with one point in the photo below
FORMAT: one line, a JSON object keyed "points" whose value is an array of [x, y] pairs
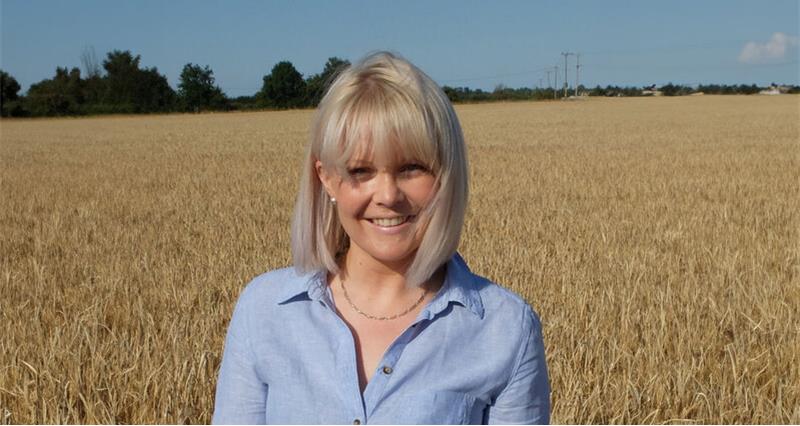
{"points": [[473, 355]]}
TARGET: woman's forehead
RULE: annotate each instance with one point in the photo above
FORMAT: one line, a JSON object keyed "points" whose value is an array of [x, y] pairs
{"points": [[389, 151], [376, 141]]}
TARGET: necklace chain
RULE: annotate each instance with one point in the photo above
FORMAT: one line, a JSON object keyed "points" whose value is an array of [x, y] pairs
{"points": [[372, 317]]}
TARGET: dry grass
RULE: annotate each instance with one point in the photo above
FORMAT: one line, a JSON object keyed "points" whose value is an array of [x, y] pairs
{"points": [[657, 238]]}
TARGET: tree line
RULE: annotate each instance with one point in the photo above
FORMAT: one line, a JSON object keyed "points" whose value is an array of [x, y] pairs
{"points": [[121, 85], [502, 93]]}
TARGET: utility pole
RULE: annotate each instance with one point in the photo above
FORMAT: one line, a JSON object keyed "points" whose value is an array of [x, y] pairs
{"points": [[566, 84], [555, 86], [548, 79], [577, 73]]}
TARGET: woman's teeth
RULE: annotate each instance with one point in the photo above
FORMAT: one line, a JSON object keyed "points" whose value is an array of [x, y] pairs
{"points": [[390, 222]]}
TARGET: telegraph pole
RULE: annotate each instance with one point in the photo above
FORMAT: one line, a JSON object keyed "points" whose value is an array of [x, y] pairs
{"points": [[548, 79], [555, 86], [577, 73], [566, 84]]}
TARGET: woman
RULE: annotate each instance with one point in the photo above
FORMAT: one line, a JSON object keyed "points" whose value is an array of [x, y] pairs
{"points": [[380, 320]]}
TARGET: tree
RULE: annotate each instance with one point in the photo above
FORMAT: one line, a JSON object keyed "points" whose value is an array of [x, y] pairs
{"points": [[453, 94], [153, 93], [122, 69], [284, 87], [94, 91], [61, 95], [675, 90], [94, 85], [9, 89], [317, 85], [197, 90], [131, 89]]}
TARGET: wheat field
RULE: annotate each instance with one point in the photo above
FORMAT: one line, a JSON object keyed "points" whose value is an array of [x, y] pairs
{"points": [[658, 239]]}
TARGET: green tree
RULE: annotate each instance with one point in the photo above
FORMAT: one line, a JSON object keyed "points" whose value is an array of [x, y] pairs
{"points": [[121, 71], [197, 91], [94, 91], [9, 97], [61, 95], [452, 93], [284, 87], [153, 92], [675, 90], [94, 84], [131, 89], [317, 85]]}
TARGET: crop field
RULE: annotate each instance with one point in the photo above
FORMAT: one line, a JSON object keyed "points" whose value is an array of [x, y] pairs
{"points": [[658, 239]]}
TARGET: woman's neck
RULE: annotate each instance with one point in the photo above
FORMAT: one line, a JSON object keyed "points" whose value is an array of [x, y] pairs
{"points": [[378, 287], [373, 278]]}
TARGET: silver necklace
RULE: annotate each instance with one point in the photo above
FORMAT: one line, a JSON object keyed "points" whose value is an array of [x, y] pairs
{"points": [[372, 317]]}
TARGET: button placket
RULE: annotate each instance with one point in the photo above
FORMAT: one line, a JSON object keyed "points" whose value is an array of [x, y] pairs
{"points": [[346, 363]]}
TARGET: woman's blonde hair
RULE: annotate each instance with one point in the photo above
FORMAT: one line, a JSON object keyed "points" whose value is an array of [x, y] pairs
{"points": [[388, 101]]}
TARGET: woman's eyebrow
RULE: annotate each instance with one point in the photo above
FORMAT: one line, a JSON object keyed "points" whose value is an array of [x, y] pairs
{"points": [[353, 162]]}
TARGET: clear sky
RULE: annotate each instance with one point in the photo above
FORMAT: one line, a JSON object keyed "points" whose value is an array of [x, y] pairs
{"points": [[479, 44]]}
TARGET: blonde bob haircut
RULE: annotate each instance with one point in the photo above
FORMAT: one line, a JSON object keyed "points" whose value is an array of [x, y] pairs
{"points": [[392, 104]]}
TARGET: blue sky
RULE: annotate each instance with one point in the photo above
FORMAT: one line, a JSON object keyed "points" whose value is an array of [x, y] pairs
{"points": [[458, 43]]}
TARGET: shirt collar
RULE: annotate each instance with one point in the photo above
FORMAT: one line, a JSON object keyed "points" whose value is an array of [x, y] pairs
{"points": [[309, 286], [460, 286]]}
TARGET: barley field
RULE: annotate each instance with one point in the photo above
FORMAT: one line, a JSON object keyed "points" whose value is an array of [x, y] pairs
{"points": [[658, 238]]}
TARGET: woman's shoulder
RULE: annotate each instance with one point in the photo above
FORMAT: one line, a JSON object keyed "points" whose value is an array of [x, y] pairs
{"points": [[273, 287], [499, 303], [506, 304]]}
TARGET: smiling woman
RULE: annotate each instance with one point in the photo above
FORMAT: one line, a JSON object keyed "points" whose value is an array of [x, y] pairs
{"points": [[380, 320]]}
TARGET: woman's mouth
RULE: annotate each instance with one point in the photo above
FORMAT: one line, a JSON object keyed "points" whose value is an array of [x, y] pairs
{"points": [[391, 221]]}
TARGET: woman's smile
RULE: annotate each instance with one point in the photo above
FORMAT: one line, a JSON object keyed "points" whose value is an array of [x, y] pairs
{"points": [[391, 222]]}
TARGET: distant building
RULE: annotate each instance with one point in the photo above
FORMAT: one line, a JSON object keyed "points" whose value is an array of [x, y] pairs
{"points": [[651, 91], [774, 89]]}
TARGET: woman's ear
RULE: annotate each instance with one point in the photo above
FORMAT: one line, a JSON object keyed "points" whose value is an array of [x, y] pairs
{"points": [[325, 178]]}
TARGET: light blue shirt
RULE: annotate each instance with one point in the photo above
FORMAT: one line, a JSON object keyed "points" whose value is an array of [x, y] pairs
{"points": [[473, 355]]}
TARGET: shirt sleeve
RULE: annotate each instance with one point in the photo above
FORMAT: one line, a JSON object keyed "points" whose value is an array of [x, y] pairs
{"points": [[526, 397], [241, 395]]}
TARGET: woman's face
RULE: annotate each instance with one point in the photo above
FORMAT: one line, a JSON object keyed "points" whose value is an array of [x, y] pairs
{"points": [[378, 202]]}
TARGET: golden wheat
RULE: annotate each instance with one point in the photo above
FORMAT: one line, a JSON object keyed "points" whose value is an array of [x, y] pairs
{"points": [[657, 238]]}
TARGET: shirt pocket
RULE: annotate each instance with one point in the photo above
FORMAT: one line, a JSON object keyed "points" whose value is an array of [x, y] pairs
{"points": [[442, 407]]}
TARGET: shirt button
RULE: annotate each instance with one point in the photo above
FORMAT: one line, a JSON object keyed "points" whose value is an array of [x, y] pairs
{"points": [[387, 370], [356, 422]]}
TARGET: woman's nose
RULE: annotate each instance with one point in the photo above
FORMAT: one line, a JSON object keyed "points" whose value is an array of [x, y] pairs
{"points": [[387, 192]]}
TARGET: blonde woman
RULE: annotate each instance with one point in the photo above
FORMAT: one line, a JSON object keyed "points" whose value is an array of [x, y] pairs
{"points": [[380, 320]]}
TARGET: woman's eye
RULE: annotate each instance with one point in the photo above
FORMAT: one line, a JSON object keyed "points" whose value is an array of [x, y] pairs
{"points": [[413, 168], [358, 171]]}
